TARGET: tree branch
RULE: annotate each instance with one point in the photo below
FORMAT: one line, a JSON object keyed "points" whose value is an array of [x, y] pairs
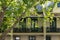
{"points": [[7, 31]]}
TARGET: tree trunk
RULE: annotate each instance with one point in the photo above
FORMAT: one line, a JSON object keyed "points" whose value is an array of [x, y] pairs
{"points": [[1, 17]]}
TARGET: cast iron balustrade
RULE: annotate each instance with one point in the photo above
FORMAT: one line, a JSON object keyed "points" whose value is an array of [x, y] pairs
{"points": [[52, 29], [58, 30], [25, 30]]}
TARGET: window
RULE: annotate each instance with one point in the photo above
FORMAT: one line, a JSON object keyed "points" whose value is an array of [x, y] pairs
{"points": [[53, 25], [48, 37], [58, 4], [32, 38], [24, 22], [16, 38], [53, 22], [28, 22], [39, 8], [34, 22]]}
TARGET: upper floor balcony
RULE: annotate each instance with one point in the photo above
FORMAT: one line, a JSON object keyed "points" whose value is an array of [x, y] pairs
{"points": [[35, 25]]}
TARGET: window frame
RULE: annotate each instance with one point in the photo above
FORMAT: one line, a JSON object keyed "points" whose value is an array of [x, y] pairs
{"points": [[32, 37]]}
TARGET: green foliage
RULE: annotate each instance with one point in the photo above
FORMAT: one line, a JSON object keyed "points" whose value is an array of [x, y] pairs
{"points": [[14, 8]]}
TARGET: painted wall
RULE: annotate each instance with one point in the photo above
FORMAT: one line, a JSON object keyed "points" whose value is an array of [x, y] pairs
{"points": [[39, 38], [58, 23], [24, 37], [8, 38], [55, 37]]}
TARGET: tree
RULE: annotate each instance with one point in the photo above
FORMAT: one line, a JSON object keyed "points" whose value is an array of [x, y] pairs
{"points": [[11, 11]]}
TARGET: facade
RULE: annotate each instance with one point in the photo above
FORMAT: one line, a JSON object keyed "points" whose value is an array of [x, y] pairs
{"points": [[32, 28]]}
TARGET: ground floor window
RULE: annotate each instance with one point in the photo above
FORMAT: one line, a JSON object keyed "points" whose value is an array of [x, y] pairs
{"points": [[32, 38], [48, 37], [16, 38]]}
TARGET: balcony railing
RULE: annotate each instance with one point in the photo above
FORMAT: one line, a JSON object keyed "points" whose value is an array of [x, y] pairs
{"points": [[53, 29], [25, 30], [28, 30]]}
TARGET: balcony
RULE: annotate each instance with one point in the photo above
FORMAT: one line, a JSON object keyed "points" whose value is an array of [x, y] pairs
{"points": [[27, 30]]}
